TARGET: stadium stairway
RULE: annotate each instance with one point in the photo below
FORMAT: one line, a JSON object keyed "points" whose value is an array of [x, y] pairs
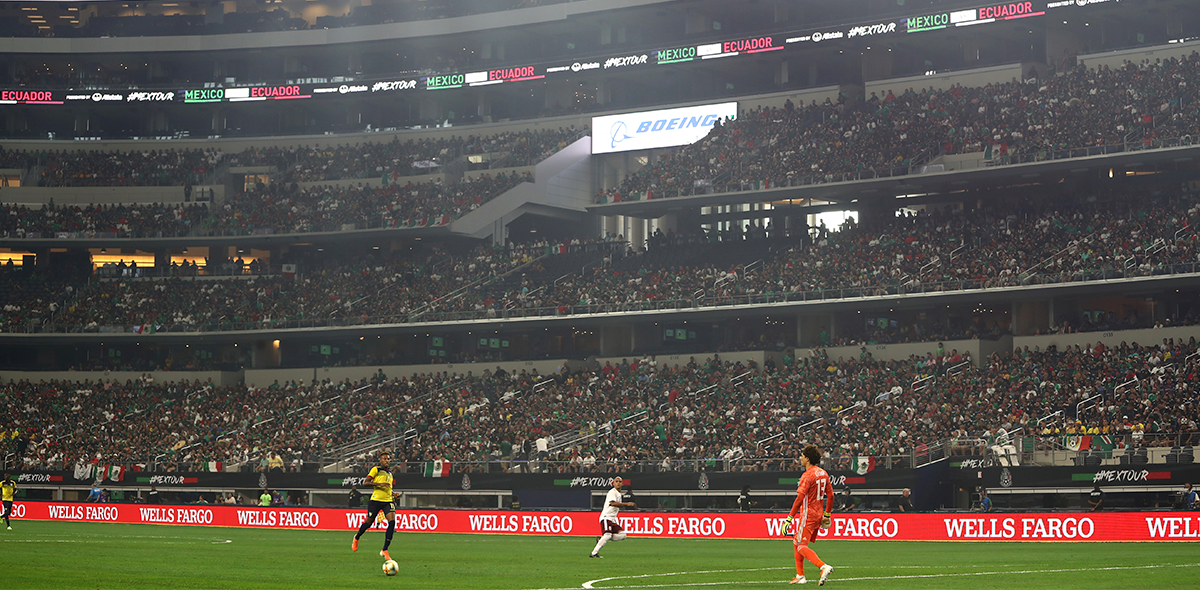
{"points": [[561, 189]]}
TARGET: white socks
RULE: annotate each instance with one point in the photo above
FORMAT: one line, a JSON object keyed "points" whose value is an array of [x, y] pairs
{"points": [[600, 543]]}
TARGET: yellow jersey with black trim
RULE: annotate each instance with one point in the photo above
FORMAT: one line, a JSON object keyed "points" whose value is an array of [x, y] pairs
{"points": [[383, 484], [7, 489]]}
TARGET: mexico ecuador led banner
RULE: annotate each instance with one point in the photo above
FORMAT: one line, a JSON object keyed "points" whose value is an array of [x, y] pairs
{"points": [[657, 129]]}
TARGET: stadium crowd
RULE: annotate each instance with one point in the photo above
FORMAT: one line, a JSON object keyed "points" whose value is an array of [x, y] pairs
{"points": [[369, 288], [1065, 116], [1015, 242], [619, 417], [154, 220], [366, 160], [282, 208], [133, 168], [1006, 244], [407, 158]]}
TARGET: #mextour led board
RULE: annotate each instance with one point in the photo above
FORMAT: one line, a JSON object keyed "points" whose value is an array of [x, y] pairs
{"points": [[741, 46], [1081, 526]]}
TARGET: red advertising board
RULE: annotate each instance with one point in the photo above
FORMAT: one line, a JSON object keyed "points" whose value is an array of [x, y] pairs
{"points": [[1083, 526]]}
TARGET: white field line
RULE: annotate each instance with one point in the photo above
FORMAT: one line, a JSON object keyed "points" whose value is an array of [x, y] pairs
{"points": [[590, 585]]}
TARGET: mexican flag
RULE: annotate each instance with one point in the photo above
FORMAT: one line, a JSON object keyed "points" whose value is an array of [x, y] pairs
{"points": [[862, 465], [1106, 443], [101, 472], [116, 472], [437, 468], [213, 466], [1078, 443]]}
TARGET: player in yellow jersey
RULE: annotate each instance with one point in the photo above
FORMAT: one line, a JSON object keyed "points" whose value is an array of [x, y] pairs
{"points": [[7, 490], [381, 501]]}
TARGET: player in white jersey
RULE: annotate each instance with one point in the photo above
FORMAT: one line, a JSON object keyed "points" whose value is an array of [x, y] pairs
{"points": [[610, 527]]}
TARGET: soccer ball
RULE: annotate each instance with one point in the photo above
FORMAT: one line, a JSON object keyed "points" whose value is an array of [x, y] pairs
{"points": [[390, 567]]}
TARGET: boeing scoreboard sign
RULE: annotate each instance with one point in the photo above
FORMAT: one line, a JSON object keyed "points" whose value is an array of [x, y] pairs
{"points": [[657, 129]]}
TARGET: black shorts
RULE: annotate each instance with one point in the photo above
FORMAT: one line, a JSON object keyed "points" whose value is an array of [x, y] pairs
{"points": [[7, 507], [375, 507]]}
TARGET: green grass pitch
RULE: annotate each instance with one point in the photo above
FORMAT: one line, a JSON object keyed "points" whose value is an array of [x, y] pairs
{"points": [[86, 555]]}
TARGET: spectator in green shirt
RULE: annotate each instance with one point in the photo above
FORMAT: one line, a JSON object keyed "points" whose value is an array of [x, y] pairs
{"points": [[264, 499]]}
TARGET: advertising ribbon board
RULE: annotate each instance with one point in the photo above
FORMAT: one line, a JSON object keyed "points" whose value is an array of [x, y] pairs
{"points": [[1060, 526]]}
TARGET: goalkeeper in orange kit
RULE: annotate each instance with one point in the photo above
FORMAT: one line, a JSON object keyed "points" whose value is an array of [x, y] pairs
{"points": [[814, 502]]}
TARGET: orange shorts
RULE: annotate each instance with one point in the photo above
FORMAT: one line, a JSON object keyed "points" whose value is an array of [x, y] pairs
{"points": [[806, 531]]}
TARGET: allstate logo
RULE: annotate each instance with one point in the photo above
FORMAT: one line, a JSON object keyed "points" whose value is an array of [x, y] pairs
{"points": [[618, 133]]}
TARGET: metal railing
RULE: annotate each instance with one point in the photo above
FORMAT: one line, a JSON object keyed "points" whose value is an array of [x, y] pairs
{"points": [[1083, 405], [1133, 381], [959, 368], [737, 186], [882, 290], [921, 383], [1033, 448]]}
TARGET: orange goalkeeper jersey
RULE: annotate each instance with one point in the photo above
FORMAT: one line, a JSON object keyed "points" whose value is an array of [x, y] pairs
{"points": [[814, 494]]}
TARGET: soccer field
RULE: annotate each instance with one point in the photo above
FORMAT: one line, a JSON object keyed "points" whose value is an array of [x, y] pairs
{"points": [[85, 555]]}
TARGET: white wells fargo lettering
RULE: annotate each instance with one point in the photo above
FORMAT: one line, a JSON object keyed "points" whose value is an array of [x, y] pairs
{"points": [[870, 528], [415, 521], [1173, 527], [280, 518], [494, 523], [1029, 528], [193, 516], [980, 528], [696, 526], [257, 517], [405, 521], [546, 524], [642, 525], [100, 513], [159, 515]]}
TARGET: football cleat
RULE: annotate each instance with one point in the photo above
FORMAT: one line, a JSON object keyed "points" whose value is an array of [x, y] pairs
{"points": [[354, 545], [825, 571], [384, 554], [798, 580], [596, 555]]}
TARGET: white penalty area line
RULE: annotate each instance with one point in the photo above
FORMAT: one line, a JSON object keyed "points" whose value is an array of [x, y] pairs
{"points": [[590, 585]]}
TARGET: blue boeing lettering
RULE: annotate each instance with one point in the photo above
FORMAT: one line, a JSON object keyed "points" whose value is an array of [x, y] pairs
{"points": [[671, 124]]}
